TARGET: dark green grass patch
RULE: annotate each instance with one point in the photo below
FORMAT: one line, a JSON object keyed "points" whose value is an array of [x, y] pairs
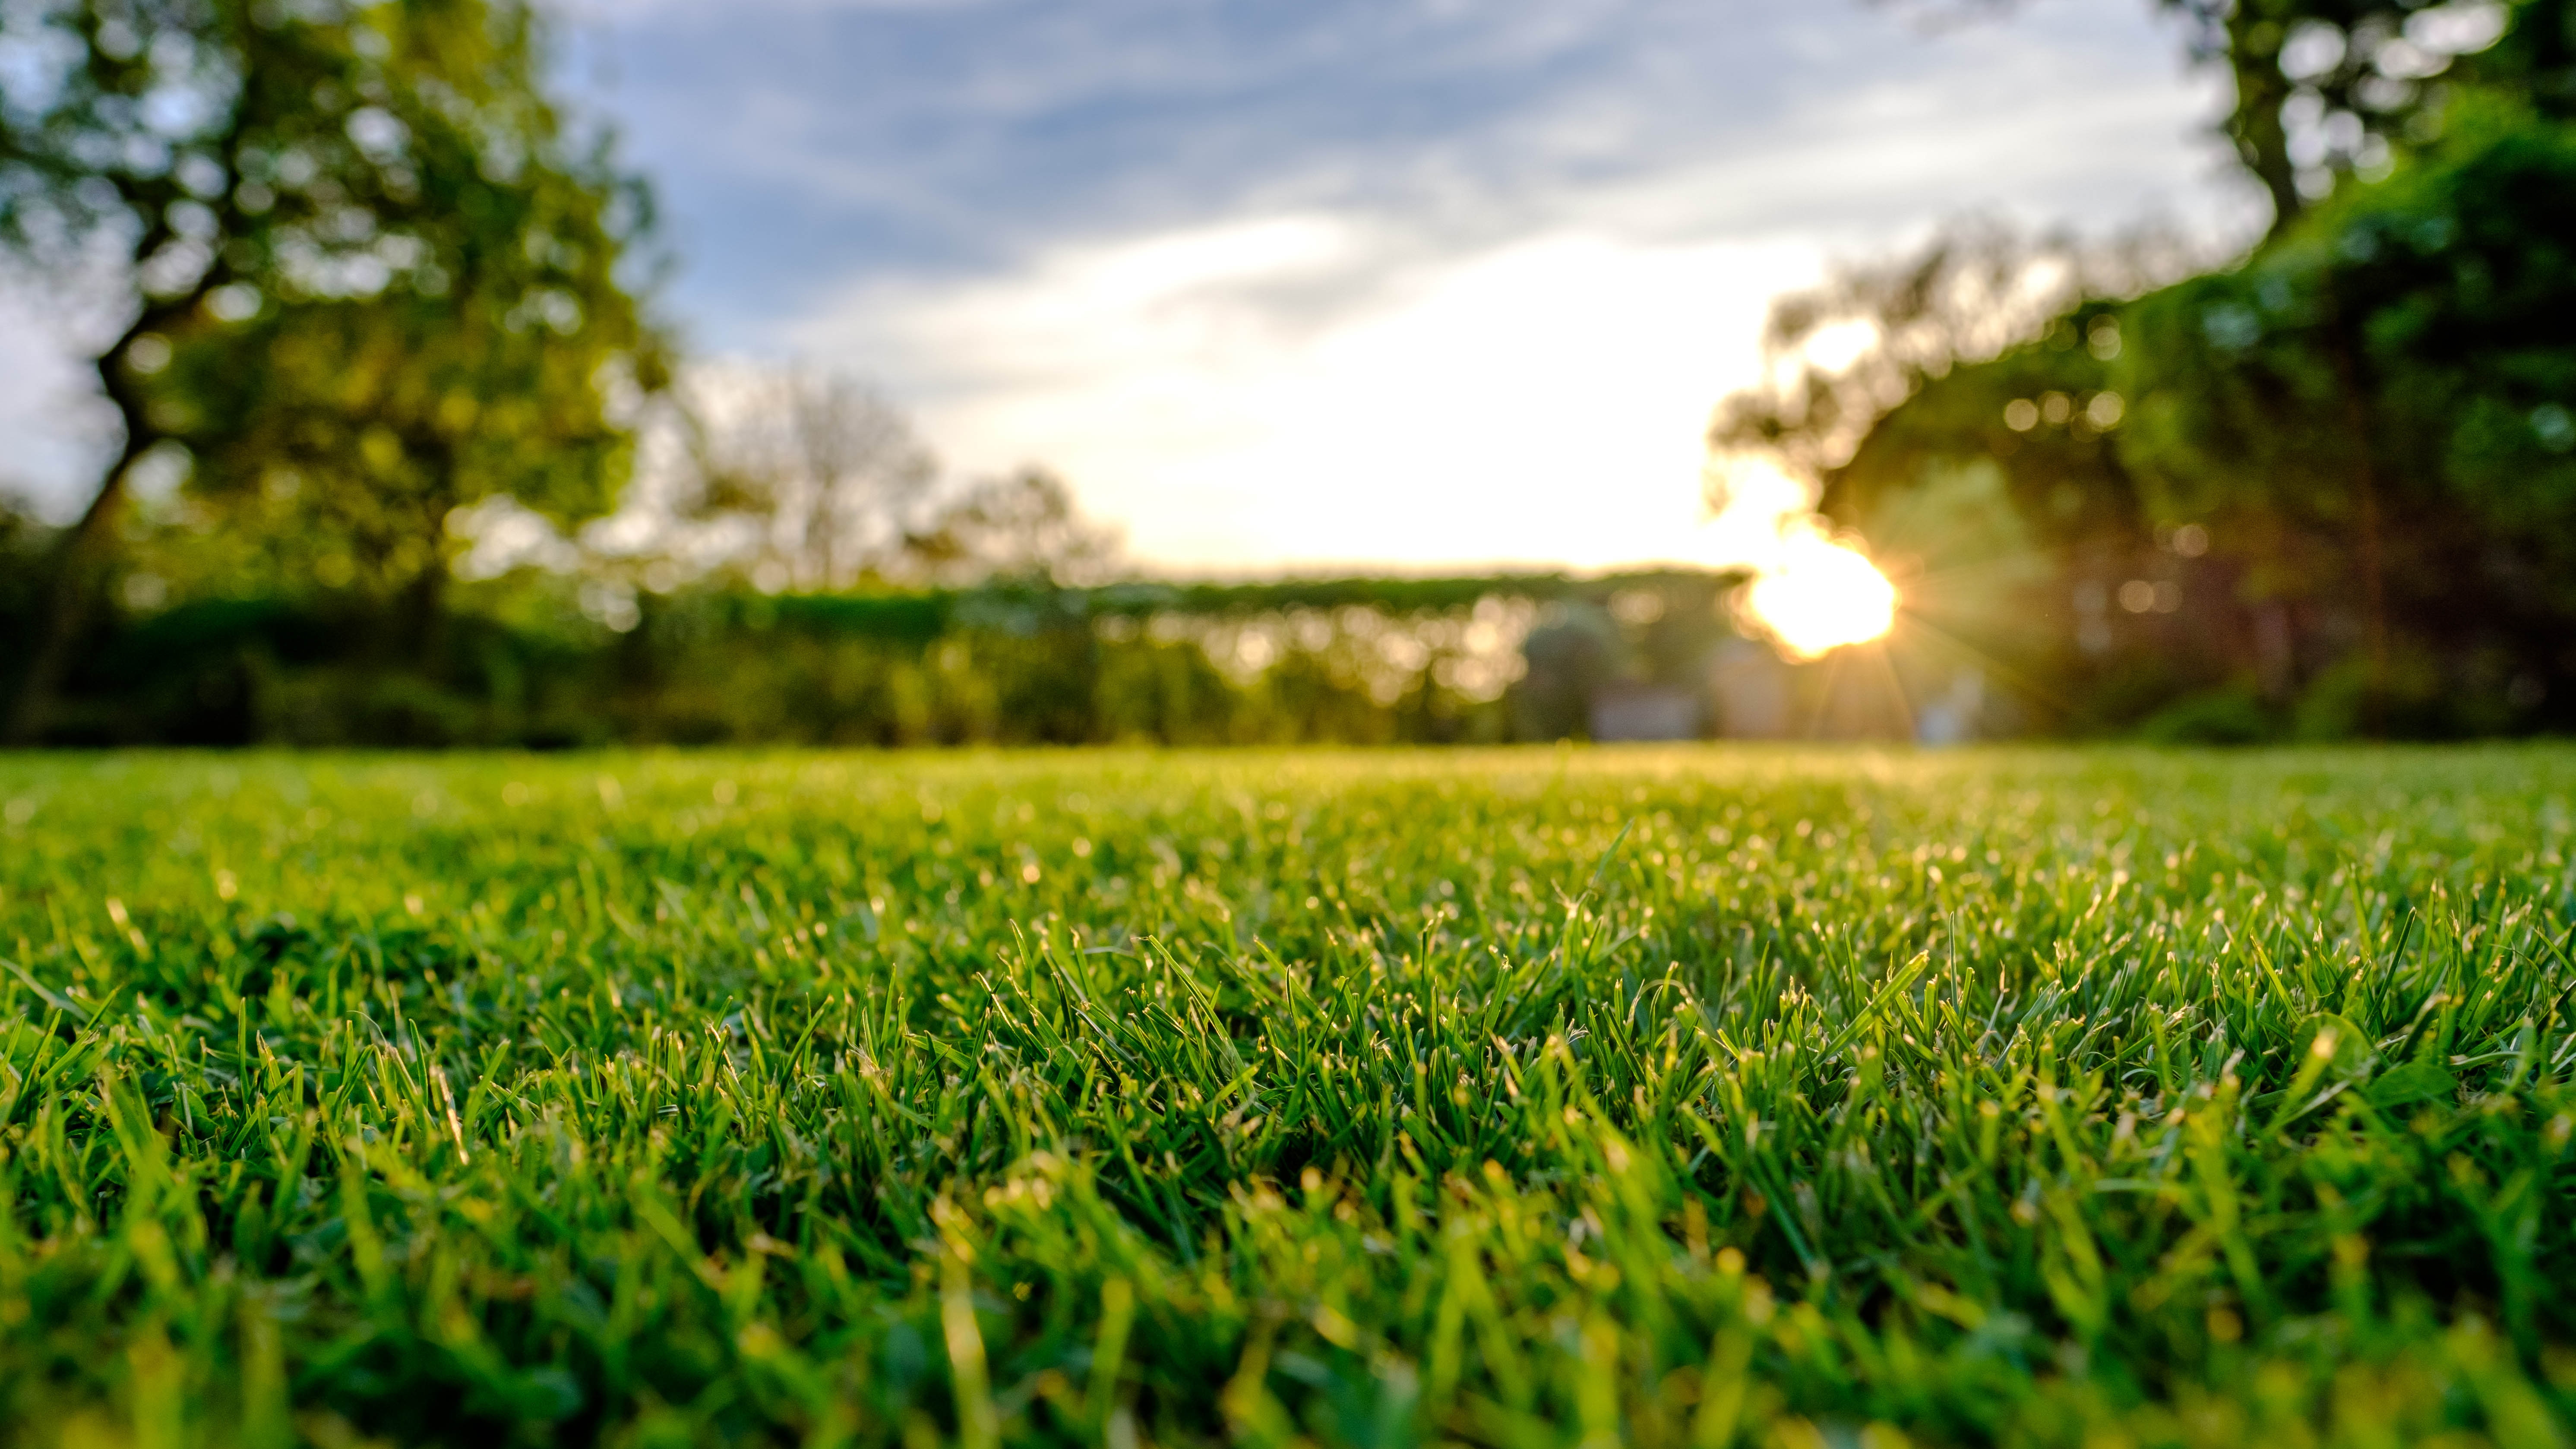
{"points": [[1673, 1097]]}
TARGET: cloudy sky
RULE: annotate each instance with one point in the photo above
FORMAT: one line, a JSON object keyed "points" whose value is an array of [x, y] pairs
{"points": [[1301, 283]]}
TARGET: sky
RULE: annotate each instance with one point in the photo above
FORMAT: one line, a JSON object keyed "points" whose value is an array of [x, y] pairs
{"points": [[1289, 286]]}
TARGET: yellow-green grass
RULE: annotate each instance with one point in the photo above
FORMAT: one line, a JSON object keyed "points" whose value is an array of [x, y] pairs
{"points": [[1697, 1096]]}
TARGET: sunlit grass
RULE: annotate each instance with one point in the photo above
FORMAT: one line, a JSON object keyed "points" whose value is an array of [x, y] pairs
{"points": [[1684, 1096]]}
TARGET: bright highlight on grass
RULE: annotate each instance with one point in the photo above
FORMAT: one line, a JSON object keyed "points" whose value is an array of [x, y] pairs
{"points": [[1820, 595]]}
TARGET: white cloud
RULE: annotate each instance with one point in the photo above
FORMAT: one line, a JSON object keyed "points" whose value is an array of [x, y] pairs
{"points": [[1489, 376], [1539, 401]]}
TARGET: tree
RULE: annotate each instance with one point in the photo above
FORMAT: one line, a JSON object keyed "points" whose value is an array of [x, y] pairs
{"points": [[2395, 371], [343, 233], [1022, 526], [2327, 88], [132, 140], [818, 472], [1840, 356], [1846, 359], [489, 357]]}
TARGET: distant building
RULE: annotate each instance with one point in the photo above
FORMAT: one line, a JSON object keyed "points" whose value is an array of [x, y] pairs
{"points": [[1644, 712], [1753, 690], [1574, 654], [1953, 716]]}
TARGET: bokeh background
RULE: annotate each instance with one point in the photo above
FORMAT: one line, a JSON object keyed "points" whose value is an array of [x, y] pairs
{"points": [[471, 372]]}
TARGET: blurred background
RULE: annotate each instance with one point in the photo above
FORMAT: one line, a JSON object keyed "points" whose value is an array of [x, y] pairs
{"points": [[481, 372]]}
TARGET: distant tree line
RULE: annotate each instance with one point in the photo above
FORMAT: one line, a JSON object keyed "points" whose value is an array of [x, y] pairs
{"points": [[533, 660]]}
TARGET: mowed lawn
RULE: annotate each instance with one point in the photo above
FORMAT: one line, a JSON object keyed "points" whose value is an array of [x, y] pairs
{"points": [[1693, 1096]]}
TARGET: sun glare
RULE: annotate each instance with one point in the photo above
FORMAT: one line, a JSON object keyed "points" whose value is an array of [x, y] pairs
{"points": [[1810, 591], [1818, 595]]}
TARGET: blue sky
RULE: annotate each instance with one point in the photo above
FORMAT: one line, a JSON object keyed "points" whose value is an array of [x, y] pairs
{"points": [[1414, 282]]}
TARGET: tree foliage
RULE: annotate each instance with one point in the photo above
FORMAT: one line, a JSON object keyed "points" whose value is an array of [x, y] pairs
{"points": [[482, 348], [2379, 404], [369, 273], [2330, 480], [2330, 88], [1843, 355]]}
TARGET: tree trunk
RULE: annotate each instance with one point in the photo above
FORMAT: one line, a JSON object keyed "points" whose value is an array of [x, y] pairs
{"points": [[73, 569], [2365, 487], [2262, 142], [421, 617]]}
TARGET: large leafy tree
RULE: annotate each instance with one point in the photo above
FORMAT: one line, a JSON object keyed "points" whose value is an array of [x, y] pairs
{"points": [[488, 355], [133, 138], [2328, 88], [366, 277], [2379, 405]]}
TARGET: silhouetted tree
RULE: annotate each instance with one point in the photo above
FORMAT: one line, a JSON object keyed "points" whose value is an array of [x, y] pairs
{"points": [[819, 473], [1023, 525]]}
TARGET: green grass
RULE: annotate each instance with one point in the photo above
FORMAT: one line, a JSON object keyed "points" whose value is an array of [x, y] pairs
{"points": [[1670, 1097]]}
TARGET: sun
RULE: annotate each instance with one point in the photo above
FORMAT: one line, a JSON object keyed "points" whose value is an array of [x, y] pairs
{"points": [[1817, 595]]}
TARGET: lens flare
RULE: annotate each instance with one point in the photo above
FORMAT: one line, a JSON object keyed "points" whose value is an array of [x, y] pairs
{"points": [[1816, 595], [1810, 591]]}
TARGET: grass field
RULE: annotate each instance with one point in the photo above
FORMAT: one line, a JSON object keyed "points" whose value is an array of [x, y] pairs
{"points": [[1666, 1097]]}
